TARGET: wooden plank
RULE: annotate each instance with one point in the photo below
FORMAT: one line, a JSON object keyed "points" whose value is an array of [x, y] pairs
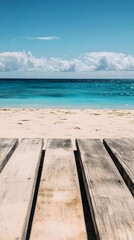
{"points": [[122, 152], [59, 213], [7, 147], [111, 203], [17, 184]]}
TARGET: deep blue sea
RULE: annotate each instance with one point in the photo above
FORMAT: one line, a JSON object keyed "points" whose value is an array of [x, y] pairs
{"points": [[55, 93]]}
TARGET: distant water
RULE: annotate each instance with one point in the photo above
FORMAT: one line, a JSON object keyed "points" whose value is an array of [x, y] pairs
{"points": [[47, 93]]}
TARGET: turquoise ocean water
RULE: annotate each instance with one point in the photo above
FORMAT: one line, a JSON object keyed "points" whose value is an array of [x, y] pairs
{"points": [[48, 93]]}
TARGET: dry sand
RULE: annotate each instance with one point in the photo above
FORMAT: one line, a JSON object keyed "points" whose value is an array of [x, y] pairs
{"points": [[64, 123]]}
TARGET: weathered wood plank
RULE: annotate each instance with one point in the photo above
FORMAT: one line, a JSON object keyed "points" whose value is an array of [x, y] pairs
{"points": [[59, 213], [17, 184], [111, 203], [7, 147], [122, 152]]}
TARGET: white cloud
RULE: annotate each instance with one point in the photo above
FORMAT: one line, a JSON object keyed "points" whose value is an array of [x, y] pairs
{"points": [[90, 62], [44, 38], [109, 61]]}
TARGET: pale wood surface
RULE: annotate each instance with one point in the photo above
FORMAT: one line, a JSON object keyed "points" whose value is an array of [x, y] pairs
{"points": [[111, 203], [7, 147], [123, 152], [17, 184], [59, 213]]}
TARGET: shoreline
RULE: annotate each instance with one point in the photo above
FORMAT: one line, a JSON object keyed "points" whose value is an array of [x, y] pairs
{"points": [[66, 123]]}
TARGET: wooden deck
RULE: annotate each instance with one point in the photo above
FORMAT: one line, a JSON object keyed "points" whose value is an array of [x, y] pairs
{"points": [[59, 194]]}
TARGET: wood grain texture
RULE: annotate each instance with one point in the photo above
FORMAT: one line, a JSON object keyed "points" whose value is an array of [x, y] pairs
{"points": [[122, 152], [7, 147], [59, 213], [17, 184], [111, 203]]}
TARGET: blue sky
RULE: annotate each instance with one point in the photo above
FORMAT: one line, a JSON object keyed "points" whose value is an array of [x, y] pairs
{"points": [[67, 38]]}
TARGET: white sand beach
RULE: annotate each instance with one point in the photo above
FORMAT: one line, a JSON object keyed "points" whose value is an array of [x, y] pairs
{"points": [[66, 123]]}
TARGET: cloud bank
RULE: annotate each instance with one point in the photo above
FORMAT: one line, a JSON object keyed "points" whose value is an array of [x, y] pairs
{"points": [[90, 62]]}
